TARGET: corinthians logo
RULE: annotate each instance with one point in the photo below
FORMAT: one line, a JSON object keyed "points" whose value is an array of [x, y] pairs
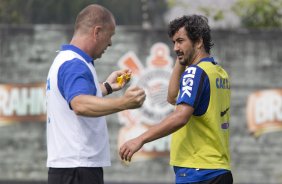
{"points": [[155, 83], [154, 80]]}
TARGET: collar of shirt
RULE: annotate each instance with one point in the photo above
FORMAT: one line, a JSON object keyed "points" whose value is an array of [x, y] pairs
{"points": [[209, 59], [78, 51]]}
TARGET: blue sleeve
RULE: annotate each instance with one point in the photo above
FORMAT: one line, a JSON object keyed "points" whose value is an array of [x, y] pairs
{"points": [[75, 78], [194, 89]]}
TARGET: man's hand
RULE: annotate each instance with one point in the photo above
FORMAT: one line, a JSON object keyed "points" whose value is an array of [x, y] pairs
{"points": [[127, 150], [112, 79], [134, 97]]}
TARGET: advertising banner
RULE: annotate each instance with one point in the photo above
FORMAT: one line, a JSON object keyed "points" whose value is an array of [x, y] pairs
{"points": [[264, 111], [22, 103]]}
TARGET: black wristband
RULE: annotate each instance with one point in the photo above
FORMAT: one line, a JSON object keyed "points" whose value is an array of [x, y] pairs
{"points": [[108, 87]]}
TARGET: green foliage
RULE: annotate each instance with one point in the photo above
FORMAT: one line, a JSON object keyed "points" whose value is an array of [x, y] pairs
{"points": [[40, 11], [126, 12], [259, 13], [215, 14], [171, 3], [219, 15]]}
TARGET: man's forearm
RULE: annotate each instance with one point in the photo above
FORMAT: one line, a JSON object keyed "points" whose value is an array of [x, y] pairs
{"points": [[174, 81], [87, 105], [172, 123]]}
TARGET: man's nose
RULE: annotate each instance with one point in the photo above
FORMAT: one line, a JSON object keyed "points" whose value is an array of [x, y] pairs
{"points": [[176, 47]]}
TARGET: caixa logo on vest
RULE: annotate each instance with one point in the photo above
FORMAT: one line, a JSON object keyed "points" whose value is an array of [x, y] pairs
{"points": [[264, 111], [22, 103], [154, 79]]}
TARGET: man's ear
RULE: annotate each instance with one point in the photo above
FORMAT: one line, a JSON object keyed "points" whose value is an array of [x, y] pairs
{"points": [[199, 43], [97, 31]]}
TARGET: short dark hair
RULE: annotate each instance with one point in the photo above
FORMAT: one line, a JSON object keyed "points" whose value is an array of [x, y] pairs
{"points": [[196, 27]]}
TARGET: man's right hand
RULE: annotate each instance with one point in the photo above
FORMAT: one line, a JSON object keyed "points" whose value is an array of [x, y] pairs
{"points": [[134, 97]]}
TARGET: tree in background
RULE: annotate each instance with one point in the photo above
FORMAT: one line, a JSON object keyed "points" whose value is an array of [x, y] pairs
{"points": [[147, 13], [259, 13], [216, 14], [231, 13], [126, 12]]}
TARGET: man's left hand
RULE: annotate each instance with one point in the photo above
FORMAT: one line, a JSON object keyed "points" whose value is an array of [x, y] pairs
{"points": [[112, 79], [127, 150]]}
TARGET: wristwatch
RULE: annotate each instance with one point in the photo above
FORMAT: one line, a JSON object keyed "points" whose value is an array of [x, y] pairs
{"points": [[108, 87]]}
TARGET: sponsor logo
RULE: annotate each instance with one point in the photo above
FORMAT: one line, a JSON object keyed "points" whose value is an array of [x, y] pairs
{"points": [[48, 85], [264, 111], [154, 80], [22, 103], [222, 83], [225, 126], [187, 82], [224, 112]]}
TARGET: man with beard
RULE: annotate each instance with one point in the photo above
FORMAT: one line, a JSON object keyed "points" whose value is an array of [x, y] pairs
{"points": [[200, 122]]}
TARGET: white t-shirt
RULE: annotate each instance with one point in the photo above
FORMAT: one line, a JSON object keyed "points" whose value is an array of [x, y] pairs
{"points": [[72, 140]]}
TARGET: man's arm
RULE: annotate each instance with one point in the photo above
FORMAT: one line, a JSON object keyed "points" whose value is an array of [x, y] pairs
{"points": [[88, 105], [173, 86], [172, 123], [77, 86]]}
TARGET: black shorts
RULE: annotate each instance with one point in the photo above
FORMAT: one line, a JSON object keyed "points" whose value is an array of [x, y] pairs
{"points": [[225, 178], [79, 175]]}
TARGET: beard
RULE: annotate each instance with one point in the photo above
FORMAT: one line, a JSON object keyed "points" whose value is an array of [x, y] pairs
{"points": [[186, 61]]}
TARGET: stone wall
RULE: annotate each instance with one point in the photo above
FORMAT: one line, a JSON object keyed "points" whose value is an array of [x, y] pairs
{"points": [[253, 59]]}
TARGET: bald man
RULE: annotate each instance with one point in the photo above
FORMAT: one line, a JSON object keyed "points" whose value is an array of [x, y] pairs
{"points": [[77, 134]]}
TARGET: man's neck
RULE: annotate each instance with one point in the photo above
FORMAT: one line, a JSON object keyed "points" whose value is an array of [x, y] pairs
{"points": [[199, 56], [81, 43]]}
